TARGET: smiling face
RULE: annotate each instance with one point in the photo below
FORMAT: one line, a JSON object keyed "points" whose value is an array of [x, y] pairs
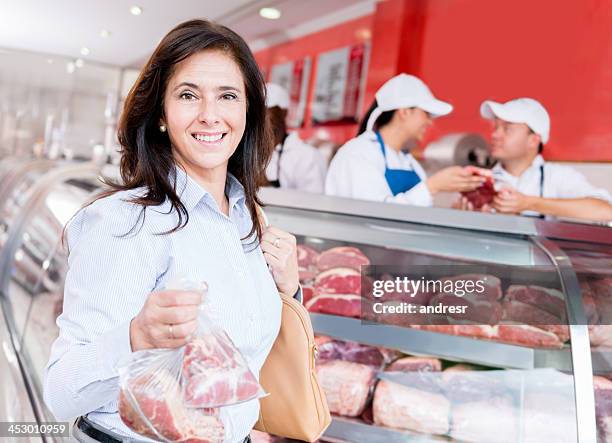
{"points": [[415, 122], [205, 113], [512, 141]]}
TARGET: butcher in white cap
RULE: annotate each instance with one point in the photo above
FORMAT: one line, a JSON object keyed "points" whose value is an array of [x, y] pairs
{"points": [[526, 183], [375, 165], [294, 164]]}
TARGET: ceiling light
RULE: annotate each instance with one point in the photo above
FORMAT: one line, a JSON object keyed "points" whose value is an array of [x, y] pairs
{"points": [[79, 63], [270, 13], [84, 51], [136, 10], [70, 67], [50, 61], [105, 33]]}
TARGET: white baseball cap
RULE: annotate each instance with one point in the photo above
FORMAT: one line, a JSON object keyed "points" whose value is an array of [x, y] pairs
{"points": [[407, 91], [521, 110], [276, 96]]}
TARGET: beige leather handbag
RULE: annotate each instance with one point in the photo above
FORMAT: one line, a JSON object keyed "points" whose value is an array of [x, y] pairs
{"points": [[296, 407]]}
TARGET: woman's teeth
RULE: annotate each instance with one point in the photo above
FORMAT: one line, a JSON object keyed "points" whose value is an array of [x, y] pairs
{"points": [[208, 138]]}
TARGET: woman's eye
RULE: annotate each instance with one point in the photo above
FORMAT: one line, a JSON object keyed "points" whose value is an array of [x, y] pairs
{"points": [[187, 96], [229, 96]]}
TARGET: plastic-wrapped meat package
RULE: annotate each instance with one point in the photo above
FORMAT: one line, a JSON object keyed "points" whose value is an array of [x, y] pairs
{"points": [[215, 373], [492, 420], [168, 393], [262, 437], [307, 262], [151, 404], [540, 410], [603, 408], [416, 405], [347, 386], [416, 408], [342, 256], [481, 405]]}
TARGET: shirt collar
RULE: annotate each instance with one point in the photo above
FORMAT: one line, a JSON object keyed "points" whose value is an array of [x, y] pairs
{"points": [[538, 161], [191, 192]]}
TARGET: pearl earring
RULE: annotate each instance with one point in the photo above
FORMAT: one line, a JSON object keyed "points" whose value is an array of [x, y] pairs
{"points": [[162, 128]]}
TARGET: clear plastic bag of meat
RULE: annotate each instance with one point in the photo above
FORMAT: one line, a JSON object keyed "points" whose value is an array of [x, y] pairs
{"points": [[172, 394]]}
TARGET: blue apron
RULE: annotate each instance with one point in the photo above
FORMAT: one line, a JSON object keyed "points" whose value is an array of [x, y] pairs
{"points": [[399, 180]]}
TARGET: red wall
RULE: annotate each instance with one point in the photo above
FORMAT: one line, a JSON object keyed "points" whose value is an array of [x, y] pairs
{"points": [[349, 33], [559, 52]]}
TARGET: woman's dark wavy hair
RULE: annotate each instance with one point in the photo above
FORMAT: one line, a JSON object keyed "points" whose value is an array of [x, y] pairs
{"points": [[381, 121], [146, 155]]}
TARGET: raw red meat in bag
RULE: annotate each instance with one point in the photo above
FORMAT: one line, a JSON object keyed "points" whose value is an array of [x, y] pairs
{"points": [[171, 394]]}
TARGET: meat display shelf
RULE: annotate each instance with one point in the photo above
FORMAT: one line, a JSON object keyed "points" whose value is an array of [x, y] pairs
{"points": [[453, 348], [343, 429], [387, 233]]}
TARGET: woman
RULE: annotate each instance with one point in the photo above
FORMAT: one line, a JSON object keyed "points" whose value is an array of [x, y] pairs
{"points": [[374, 166], [294, 163], [194, 149]]}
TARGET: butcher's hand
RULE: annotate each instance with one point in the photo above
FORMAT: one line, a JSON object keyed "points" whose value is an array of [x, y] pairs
{"points": [[511, 201], [167, 320], [280, 251]]}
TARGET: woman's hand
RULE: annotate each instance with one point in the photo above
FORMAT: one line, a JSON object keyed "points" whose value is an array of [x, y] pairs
{"points": [[280, 251], [167, 320], [457, 179]]}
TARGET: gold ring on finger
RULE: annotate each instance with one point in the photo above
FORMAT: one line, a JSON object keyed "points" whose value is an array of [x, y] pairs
{"points": [[277, 242]]}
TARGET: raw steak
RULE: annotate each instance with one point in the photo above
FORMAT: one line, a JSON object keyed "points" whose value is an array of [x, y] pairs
{"points": [[601, 290], [338, 281], [478, 310], [474, 331], [517, 334], [518, 312], [347, 386], [401, 407], [493, 420], [307, 259], [307, 256], [416, 364], [342, 256], [492, 285], [542, 409], [346, 305], [546, 299], [307, 294], [157, 396], [461, 383], [526, 335], [351, 351], [528, 314], [483, 195], [215, 373], [601, 335]]}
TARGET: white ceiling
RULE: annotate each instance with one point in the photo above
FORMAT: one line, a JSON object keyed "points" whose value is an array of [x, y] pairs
{"points": [[63, 27]]}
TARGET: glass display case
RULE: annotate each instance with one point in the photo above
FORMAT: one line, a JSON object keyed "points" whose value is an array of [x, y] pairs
{"points": [[40, 200], [501, 378]]}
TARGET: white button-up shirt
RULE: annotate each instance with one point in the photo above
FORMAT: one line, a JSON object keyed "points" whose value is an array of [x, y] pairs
{"points": [[560, 181], [302, 167], [358, 171], [110, 276]]}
